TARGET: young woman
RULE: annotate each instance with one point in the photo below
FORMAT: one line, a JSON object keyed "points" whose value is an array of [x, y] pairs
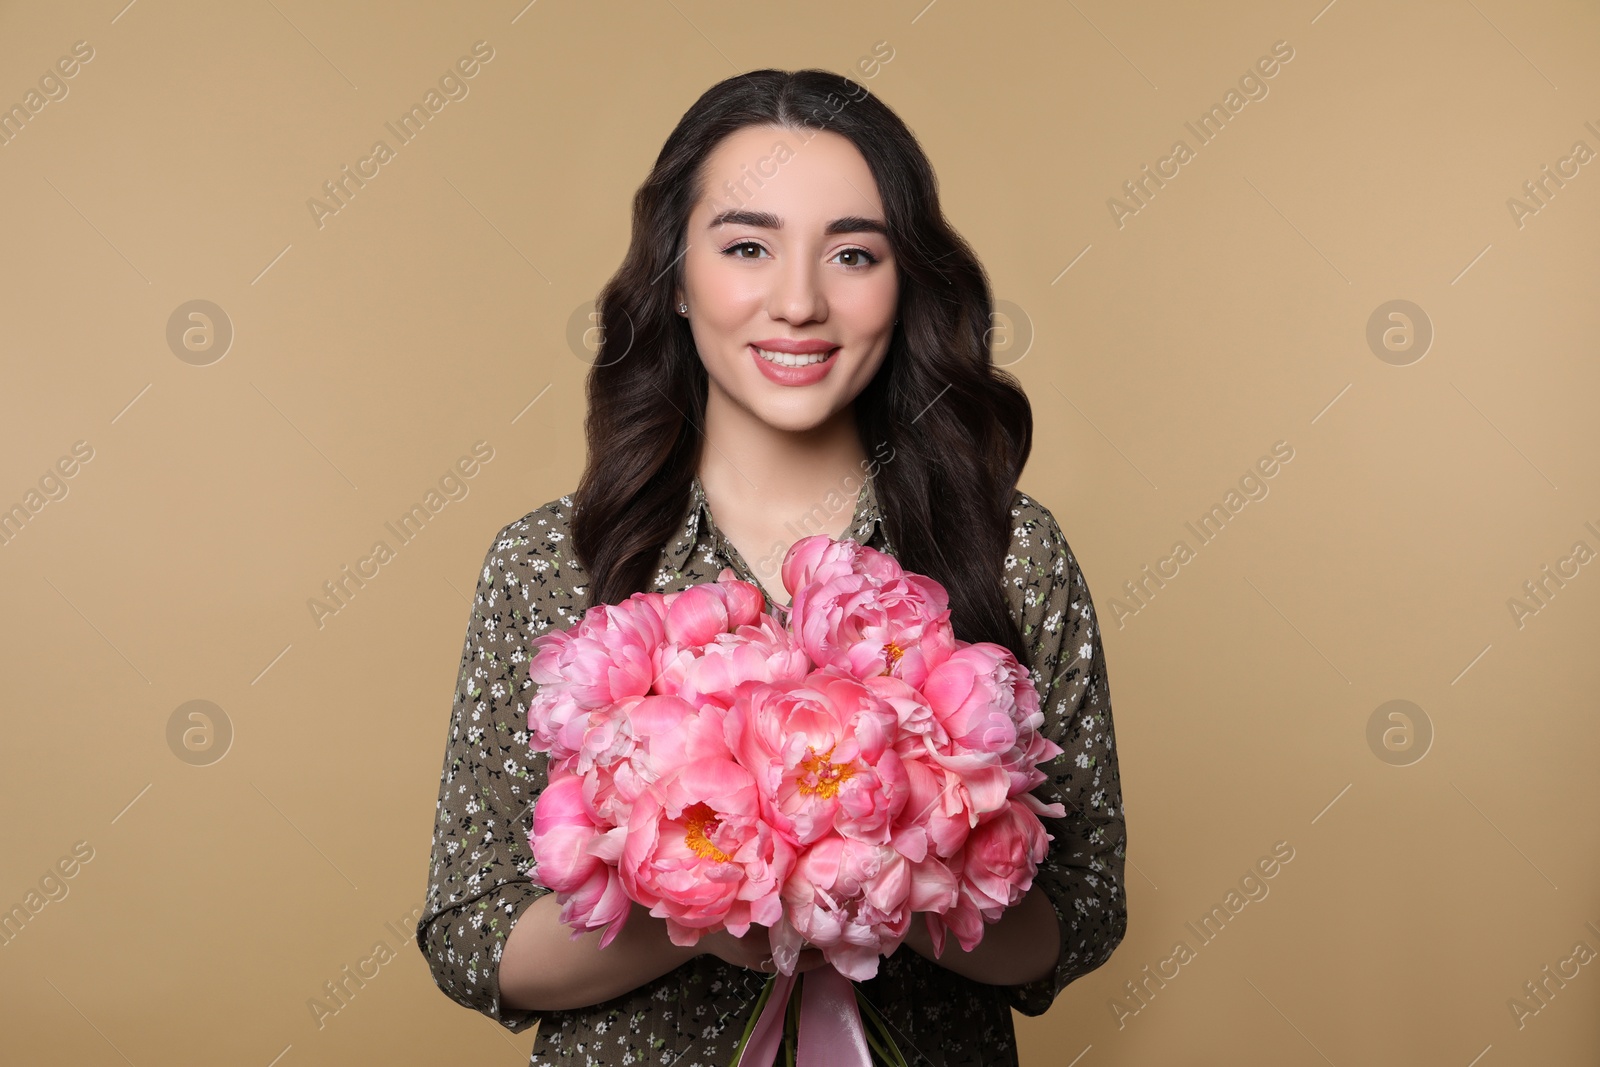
{"points": [[796, 343]]}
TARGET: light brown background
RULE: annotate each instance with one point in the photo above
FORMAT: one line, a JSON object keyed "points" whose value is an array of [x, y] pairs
{"points": [[1229, 314]]}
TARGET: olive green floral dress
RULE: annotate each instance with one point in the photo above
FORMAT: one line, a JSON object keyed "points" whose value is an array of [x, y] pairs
{"points": [[481, 877]]}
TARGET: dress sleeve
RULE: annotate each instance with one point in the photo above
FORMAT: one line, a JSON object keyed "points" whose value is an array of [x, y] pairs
{"points": [[479, 883], [1082, 874]]}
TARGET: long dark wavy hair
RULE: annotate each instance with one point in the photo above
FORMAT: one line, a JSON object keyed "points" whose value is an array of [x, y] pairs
{"points": [[959, 428]]}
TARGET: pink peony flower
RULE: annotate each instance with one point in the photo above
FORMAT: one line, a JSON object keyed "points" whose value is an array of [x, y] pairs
{"points": [[1024, 763], [937, 804], [988, 712], [996, 867], [763, 651], [608, 656], [870, 619], [570, 852], [822, 753], [980, 695], [698, 614], [1000, 858], [912, 713], [819, 558], [615, 760], [697, 851], [848, 898]]}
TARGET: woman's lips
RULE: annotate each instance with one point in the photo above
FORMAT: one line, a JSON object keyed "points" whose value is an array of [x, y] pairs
{"points": [[807, 375]]}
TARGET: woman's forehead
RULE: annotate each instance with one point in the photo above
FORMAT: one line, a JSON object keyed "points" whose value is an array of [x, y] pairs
{"points": [[800, 177]]}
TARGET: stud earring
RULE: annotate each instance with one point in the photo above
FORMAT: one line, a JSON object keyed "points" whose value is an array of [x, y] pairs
{"points": [[683, 309]]}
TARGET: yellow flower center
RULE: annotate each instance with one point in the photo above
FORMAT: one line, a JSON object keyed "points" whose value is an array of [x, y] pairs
{"points": [[820, 778], [699, 822]]}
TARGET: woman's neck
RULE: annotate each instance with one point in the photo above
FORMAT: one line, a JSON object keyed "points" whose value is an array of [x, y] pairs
{"points": [[758, 470]]}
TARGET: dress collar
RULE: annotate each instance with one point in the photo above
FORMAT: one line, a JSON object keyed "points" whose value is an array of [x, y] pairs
{"points": [[865, 524]]}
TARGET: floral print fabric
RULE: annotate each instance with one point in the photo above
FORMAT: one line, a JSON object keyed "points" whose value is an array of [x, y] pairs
{"points": [[481, 874]]}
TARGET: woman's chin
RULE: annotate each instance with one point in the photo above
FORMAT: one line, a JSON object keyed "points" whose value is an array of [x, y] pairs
{"points": [[792, 413]]}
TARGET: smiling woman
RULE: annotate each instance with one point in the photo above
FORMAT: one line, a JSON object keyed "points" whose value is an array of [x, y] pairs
{"points": [[792, 302], [792, 314]]}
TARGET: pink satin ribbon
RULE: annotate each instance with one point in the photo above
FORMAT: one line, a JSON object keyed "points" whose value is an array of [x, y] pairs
{"points": [[830, 1032]]}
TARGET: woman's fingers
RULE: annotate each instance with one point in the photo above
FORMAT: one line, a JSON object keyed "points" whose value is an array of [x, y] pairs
{"points": [[754, 951]]}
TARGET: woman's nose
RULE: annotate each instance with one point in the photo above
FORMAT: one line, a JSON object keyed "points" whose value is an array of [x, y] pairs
{"points": [[797, 294]]}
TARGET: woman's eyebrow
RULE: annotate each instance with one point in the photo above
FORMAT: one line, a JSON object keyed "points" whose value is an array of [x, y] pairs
{"points": [[766, 220]]}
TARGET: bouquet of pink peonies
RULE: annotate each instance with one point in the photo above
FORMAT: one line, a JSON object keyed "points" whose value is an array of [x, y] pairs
{"points": [[827, 772]]}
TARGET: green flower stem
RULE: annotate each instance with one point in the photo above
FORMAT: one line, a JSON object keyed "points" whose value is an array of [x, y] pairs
{"points": [[791, 1024], [750, 1025], [890, 1050], [879, 1037]]}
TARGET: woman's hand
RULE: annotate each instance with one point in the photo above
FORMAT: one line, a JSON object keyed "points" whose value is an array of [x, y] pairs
{"points": [[918, 939], [1022, 946], [545, 968], [753, 950]]}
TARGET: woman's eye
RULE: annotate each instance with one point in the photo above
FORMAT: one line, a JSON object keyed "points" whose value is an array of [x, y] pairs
{"points": [[862, 253]]}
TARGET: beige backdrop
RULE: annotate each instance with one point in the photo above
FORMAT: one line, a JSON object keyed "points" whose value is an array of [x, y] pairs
{"points": [[1442, 453]]}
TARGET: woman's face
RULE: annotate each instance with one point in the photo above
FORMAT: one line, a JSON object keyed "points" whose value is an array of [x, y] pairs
{"points": [[788, 246]]}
